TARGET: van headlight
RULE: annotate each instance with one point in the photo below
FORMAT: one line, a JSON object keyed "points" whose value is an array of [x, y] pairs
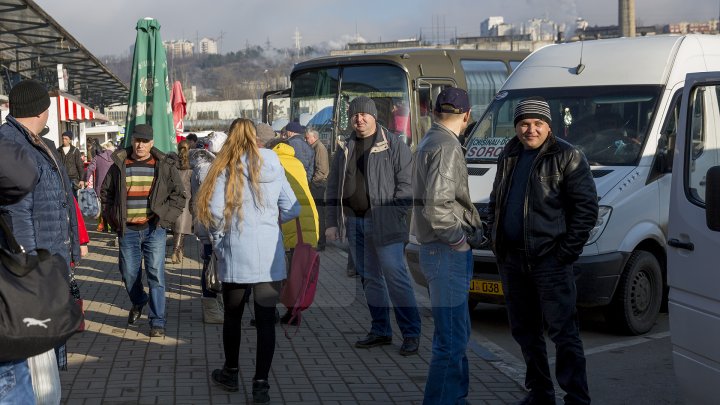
{"points": [[603, 218]]}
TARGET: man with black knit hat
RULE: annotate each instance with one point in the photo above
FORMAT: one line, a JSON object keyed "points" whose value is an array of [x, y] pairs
{"points": [[45, 217], [72, 161], [369, 193], [541, 210]]}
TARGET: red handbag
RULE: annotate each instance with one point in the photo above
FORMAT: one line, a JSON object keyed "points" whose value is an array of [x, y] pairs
{"points": [[298, 292]]}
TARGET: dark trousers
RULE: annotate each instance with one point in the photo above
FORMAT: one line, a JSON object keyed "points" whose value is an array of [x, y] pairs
{"points": [[545, 291], [266, 297], [318, 193]]}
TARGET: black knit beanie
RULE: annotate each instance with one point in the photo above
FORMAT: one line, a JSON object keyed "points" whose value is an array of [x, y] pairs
{"points": [[28, 99], [362, 104]]}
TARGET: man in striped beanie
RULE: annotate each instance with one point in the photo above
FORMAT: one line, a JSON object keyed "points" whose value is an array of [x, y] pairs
{"points": [[541, 211]]}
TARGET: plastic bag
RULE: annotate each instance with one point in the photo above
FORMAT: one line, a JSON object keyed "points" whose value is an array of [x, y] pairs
{"points": [[212, 280], [45, 378]]}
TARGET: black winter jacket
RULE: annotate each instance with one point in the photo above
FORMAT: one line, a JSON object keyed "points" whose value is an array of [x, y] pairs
{"points": [[561, 205], [73, 164], [167, 195]]}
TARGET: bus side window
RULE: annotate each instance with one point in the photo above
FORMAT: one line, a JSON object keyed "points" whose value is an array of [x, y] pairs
{"points": [[484, 78], [424, 110]]}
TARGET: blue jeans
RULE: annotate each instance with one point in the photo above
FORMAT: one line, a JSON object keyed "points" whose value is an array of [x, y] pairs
{"points": [[448, 274], [16, 384], [384, 272], [147, 244], [538, 294]]}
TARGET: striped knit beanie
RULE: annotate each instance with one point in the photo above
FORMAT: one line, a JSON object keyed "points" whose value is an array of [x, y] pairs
{"points": [[532, 107]]}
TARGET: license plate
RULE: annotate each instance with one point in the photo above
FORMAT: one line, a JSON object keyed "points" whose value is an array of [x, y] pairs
{"points": [[486, 287]]}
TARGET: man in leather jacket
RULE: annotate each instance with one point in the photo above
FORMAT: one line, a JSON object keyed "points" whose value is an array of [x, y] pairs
{"points": [[541, 211], [444, 221]]}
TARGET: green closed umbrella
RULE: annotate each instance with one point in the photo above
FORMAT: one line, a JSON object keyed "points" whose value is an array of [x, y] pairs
{"points": [[149, 101]]}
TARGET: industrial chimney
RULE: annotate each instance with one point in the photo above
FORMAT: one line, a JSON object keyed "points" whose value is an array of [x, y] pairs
{"points": [[626, 17]]}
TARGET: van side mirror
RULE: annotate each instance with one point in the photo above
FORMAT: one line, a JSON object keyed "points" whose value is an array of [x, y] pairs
{"points": [[712, 198]]}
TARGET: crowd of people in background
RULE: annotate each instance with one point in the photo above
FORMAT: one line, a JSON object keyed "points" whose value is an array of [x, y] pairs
{"points": [[239, 193]]}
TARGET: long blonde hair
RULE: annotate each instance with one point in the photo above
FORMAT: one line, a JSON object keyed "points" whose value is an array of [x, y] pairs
{"points": [[241, 141]]}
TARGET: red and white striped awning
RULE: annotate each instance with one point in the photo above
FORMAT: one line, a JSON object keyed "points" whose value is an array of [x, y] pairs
{"points": [[73, 110]]}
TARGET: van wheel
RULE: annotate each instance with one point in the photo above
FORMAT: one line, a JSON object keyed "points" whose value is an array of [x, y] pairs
{"points": [[637, 300]]}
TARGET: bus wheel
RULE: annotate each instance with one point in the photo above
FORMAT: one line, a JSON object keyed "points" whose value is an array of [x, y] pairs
{"points": [[636, 304]]}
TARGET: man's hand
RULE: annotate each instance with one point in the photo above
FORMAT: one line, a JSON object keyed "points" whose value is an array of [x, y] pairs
{"points": [[81, 184], [332, 233], [83, 250]]}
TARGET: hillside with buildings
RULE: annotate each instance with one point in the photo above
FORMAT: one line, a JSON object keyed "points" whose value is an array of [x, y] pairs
{"points": [[234, 75]]}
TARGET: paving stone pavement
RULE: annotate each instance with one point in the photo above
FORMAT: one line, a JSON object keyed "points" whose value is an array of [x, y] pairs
{"points": [[112, 363]]}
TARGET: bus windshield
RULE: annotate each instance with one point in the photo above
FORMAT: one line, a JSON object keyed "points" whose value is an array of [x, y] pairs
{"points": [[320, 99], [609, 123]]}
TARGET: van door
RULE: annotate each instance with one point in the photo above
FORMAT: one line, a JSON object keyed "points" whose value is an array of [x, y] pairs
{"points": [[694, 242]]}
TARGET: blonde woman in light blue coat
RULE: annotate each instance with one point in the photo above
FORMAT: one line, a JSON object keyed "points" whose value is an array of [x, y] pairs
{"points": [[240, 201]]}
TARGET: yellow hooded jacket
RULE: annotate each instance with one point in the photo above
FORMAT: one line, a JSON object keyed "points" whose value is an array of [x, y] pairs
{"points": [[295, 173]]}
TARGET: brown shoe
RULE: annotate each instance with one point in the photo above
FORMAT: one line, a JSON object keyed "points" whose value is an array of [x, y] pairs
{"points": [[157, 331]]}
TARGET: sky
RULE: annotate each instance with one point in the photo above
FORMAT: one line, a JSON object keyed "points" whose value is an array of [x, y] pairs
{"points": [[107, 27]]}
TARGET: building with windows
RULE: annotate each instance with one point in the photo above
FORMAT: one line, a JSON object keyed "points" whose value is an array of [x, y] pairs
{"points": [[208, 46], [697, 27], [179, 48], [490, 26]]}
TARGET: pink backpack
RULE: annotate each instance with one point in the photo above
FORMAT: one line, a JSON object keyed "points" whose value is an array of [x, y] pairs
{"points": [[299, 290]]}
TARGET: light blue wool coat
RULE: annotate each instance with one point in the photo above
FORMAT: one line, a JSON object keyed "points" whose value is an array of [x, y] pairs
{"points": [[251, 251]]}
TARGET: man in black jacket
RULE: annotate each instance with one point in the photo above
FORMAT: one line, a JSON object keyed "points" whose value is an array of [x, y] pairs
{"points": [[71, 159], [142, 195], [541, 210]]}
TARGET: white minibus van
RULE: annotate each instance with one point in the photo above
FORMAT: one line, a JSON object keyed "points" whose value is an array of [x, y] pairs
{"points": [[618, 100], [694, 242]]}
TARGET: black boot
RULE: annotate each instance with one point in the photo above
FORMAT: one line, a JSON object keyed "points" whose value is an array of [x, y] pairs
{"points": [[260, 391], [226, 378]]}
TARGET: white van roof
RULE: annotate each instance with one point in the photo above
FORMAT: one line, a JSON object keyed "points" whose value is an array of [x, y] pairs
{"points": [[620, 61]]}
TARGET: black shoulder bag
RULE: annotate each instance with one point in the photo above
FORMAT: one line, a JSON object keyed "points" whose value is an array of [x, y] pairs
{"points": [[37, 312]]}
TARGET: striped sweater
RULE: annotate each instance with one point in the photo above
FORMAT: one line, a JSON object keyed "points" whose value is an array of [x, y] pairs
{"points": [[139, 176]]}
